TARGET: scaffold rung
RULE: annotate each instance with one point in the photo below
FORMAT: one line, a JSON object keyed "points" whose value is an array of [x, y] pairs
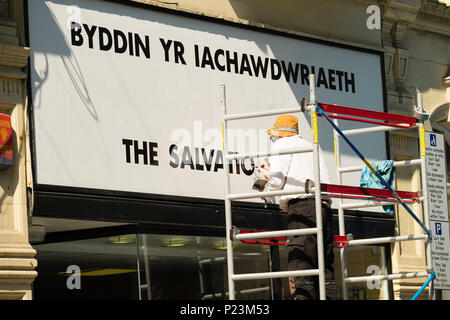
{"points": [[266, 154], [352, 132], [247, 115], [250, 195], [387, 277], [279, 233], [387, 239], [403, 163], [275, 274]]}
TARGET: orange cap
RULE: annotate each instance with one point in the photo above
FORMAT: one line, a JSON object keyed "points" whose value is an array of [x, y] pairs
{"points": [[284, 126]]}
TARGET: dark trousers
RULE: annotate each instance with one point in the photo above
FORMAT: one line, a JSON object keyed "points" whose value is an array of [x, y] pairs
{"points": [[303, 249]]}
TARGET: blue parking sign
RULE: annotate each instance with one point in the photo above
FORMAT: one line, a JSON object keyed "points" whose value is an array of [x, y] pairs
{"points": [[438, 227], [433, 140]]}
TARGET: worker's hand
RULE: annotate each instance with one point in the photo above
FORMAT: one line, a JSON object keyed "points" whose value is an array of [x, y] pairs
{"points": [[264, 168], [265, 164]]}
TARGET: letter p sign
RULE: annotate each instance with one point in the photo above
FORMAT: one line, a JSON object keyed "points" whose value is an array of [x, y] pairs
{"points": [[438, 228]]}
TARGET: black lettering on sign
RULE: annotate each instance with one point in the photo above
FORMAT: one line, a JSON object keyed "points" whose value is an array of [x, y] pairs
{"points": [[259, 67], [75, 34], [127, 143], [120, 41], [349, 82], [218, 164], [153, 153], [304, 70], [214, 59], [290, 72], [174, 159], [232, 61], [250, 171], [322, 79], [200, 159], [219, 65], [331, 79], [271, 68], [142, 152], [90, 33], [142, 45], [104, 39], [166, 46], [275, 65], [340, 74], [207, 59], [208, 160], [186, 158], [178, 50], [245, 65]]}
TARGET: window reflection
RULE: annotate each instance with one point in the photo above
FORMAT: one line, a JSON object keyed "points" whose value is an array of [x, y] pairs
{"points": [[192, 267], [174, 267], [108, 269]]}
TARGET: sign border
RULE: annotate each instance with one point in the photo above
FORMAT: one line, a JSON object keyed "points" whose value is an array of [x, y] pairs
{"points": [[113, 193]]}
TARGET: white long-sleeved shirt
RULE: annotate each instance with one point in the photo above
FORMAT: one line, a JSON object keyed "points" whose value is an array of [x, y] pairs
{"points": [[291, 170]]}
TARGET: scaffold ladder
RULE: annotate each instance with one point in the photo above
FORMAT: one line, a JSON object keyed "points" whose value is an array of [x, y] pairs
{"points": [[231, 233]]}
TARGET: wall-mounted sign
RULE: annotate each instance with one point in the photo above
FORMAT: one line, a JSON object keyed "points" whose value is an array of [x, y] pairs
{"points": [[127, 98], [6, 143], [438, 208]]}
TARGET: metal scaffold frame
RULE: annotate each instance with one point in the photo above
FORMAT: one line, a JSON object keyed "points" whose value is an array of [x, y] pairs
{"points": [[230, 232], [374, 197], [371, 203]]}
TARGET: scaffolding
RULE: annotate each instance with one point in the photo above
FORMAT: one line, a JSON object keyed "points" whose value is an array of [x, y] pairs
{"points": [[373, 197], [407, 123]]}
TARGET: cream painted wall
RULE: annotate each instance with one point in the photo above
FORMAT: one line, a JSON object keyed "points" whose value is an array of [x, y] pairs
{"points": [[333, 20], [17, 263]]}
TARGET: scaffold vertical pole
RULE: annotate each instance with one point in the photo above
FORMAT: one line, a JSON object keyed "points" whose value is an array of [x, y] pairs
{"points": [[317, 190], [342, 251], [423, 170], [228, 218]]}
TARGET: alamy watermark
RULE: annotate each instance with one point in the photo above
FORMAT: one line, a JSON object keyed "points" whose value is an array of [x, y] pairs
{"points": [[73, 15], [373, 283], [74, 280], [373, 22]]}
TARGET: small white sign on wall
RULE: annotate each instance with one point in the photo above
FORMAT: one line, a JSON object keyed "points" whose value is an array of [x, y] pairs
{"points": [[438, 208]]}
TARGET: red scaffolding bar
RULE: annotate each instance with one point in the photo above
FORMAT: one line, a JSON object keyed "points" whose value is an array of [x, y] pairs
{"points": [[377, 194], [393, 120]]}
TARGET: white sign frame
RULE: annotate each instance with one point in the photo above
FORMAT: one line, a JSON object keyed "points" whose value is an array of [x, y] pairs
{"points": [[83, 138]]}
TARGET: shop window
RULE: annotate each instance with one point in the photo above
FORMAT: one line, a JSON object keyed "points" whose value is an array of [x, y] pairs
{"points": [[192, 267], [156, 267], [363, 261], [173, 267], [95, 269]]}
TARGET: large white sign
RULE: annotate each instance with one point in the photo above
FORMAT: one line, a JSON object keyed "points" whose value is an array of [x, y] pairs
{"points": [[438, 208], [127, 99]]}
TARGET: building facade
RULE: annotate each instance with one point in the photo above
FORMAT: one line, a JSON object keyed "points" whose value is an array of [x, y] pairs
{"points": [[120, 237]]}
